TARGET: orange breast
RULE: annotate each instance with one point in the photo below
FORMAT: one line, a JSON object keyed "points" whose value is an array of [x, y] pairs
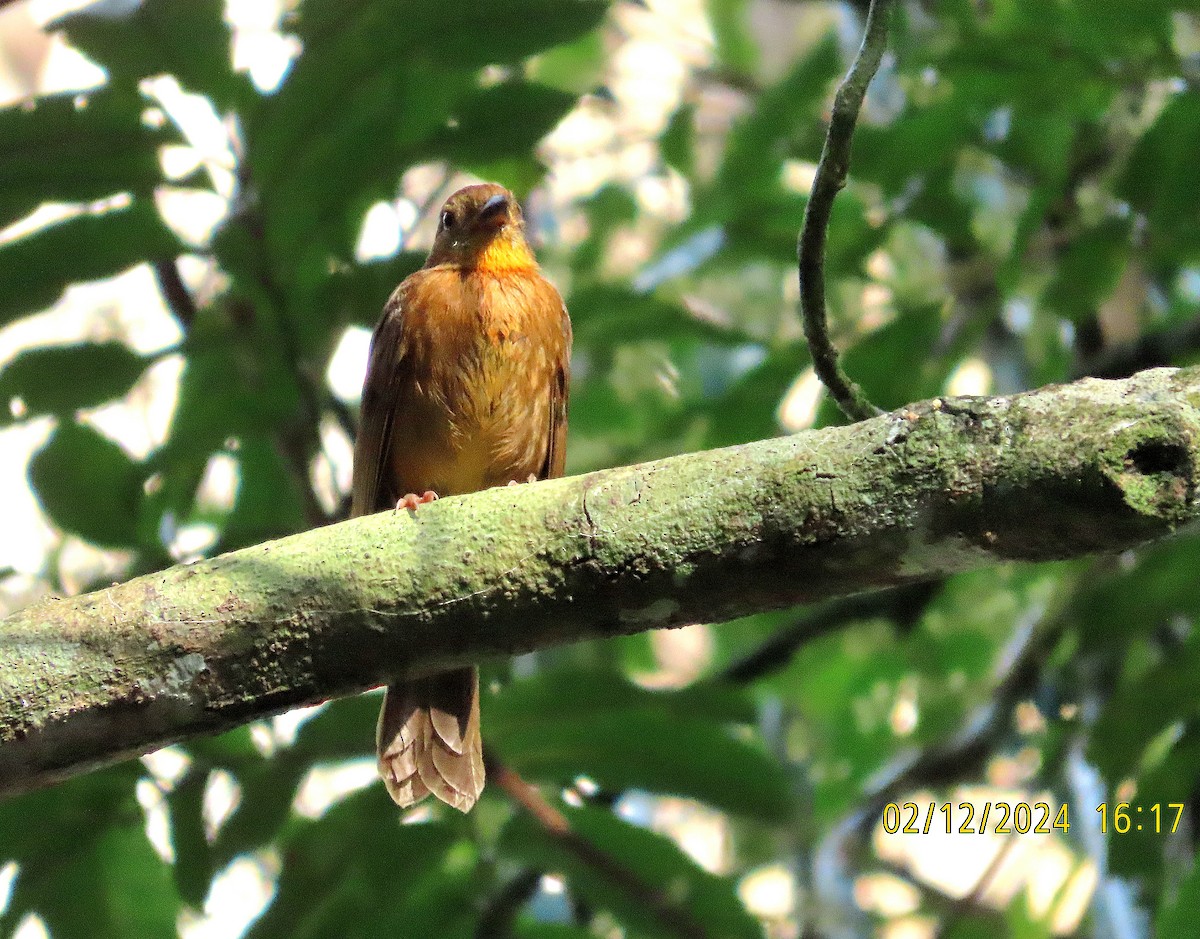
{"points": [[484, 352]]}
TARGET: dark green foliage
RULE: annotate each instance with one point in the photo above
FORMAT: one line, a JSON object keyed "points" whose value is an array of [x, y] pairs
{"points": [[86, 866], [75, 149], [97, 373], [187, 39], [563, 724], [1154, 179], [88, 485], [351, 855], [35, 269], [653, 859], [1022, 198]]}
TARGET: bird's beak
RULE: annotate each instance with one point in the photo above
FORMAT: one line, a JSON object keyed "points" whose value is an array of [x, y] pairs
{"points": [[495, 210]]}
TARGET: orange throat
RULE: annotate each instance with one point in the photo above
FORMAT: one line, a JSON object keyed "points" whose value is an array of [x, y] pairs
{"points": [[505, 255]]}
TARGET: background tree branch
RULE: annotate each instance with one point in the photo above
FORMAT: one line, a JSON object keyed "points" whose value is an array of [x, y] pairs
{"points": [[942, 486]]}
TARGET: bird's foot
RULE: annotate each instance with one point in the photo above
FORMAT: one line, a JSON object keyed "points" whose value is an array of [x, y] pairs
{"points": [[516, 482], [412, 500]]}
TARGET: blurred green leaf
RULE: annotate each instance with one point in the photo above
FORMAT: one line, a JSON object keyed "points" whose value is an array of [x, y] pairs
{"points": [[269, 503], [678, 142], [1137, 600], [188, 39], [1023, 923], [607, 211], [75, 148], [467, 35], [1156, 179], [580, 692], [36, 268], [356, 294], [61, 380], [86, 866], [1177, 916], [924, 141], [334, 140], [532, 930], [1039, 143], [351, 870], [1089, 271], [88, 485], [607, 316], [560, 725], [1127, 27], [731, 29], [747, 409], [782, 125], [1126, 725], [366, 99], [655, 861], [845, 685], [1165, 767], [977, 925], [649, 750], [611, 425], [267, 790], [226, 389], [500, 121], [193, 868], [576, 66], [268, 785]]}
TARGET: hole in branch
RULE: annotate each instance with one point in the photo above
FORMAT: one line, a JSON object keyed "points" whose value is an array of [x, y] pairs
{"points": [[1153, 457]]}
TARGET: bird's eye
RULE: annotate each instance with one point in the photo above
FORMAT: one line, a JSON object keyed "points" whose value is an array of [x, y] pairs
{"points": [[447, 219]]}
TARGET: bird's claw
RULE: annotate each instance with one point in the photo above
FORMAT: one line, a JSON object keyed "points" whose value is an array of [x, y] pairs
{"points": [[531, 479], [412, 500]]}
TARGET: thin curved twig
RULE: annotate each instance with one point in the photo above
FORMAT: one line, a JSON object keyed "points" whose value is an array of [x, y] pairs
{"points": [[673, 917], [829, 179], [174, 291]]}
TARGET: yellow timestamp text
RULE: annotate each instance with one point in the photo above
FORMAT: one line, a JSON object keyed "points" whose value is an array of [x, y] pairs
{"points": [[1122, 817], [1022, 818], [973, 818]]}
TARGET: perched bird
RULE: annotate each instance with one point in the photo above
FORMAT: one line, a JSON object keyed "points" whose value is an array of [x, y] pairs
{"points": [[466, 389]]}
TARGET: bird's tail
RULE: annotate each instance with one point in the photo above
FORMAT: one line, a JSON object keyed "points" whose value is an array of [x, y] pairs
{"points": [[428, 739]]}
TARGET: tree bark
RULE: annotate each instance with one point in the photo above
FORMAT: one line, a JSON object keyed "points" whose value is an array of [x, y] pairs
{"points": [[942, 486]]}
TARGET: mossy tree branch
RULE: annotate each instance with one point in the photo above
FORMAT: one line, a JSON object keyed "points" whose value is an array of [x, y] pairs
{"points": [[942, 486]]}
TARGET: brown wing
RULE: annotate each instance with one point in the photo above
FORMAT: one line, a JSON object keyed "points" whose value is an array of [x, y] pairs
{"points": [[556, 452], [386, 376]]}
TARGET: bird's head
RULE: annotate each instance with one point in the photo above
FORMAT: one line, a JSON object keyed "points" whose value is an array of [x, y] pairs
{"points": [[480, 227]]}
